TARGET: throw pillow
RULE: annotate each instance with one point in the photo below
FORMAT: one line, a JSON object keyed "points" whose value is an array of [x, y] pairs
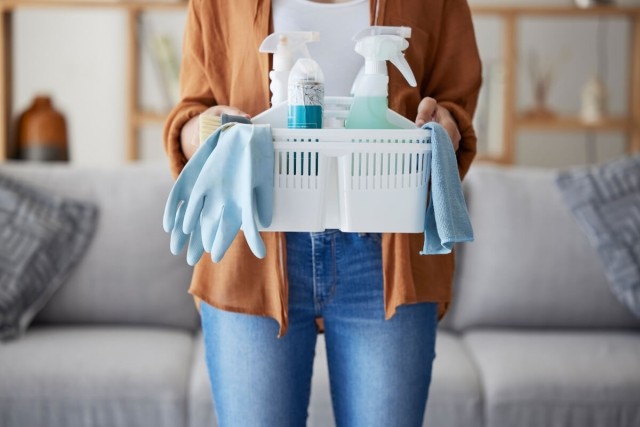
{"points": [[605, 201], [42, 237]]}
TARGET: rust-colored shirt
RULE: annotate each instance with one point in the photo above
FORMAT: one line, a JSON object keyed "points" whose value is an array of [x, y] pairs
{"points": [[221, 66]]}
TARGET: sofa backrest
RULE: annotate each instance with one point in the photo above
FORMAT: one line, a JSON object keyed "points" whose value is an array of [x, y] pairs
{"points": [[530, 264], [128, 274]]}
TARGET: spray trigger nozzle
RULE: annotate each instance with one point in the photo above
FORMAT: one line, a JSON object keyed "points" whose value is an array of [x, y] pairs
{"points": [[378, 44]]}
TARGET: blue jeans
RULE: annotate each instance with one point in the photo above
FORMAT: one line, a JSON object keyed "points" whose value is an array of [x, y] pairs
{"points": [[379, 370]]}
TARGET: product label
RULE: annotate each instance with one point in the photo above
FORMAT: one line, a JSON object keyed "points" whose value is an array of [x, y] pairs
{"points": [[306, 94], [305, 117]]}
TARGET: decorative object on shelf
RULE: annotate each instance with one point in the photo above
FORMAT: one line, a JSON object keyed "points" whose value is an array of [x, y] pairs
{"points": [[541, 74], [166, 64], [594, 92], [591, 3], [594, 100], [42, 132]]}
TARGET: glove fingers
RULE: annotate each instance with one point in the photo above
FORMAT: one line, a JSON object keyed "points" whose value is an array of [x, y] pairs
{"points": [[252, 234], [210, 221], [171, 207], [192, 212], [195, 250], [182, 188], [178, 238], [227, 231]]}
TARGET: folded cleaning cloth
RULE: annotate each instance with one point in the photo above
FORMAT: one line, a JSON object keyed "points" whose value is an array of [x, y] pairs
{"points": [[447, 220]]}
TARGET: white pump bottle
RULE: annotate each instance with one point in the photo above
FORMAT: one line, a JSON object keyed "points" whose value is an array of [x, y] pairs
{"points": [[283, 46], [370, 104]]}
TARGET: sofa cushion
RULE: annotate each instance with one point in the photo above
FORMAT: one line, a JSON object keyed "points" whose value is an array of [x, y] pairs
{"points": [[95, 376], [128, 274], [540, 378], [530, 265], [42, 237], [606, 203], [201, 409], [455, 394]]}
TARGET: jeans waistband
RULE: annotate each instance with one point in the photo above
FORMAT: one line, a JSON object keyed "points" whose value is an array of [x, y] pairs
{"points": [[330, 231]]}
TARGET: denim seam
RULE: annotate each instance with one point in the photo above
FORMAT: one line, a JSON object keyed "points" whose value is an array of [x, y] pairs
{"points": [[334, 268], [313, 273]]}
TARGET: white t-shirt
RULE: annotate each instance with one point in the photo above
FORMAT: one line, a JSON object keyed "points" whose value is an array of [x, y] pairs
{"points": [[337, 23]]}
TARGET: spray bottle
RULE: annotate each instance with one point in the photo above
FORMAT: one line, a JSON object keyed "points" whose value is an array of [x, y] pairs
{"points": [[370, 102], [283, 46]]}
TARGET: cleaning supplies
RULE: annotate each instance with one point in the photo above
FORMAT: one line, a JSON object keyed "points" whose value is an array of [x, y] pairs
{"points": [[447, 219], [305, 95], [284, 45], [227, 184], [370, 104]]}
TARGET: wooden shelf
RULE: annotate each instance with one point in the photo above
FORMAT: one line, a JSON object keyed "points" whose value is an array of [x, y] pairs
{"points": [[122, 4], [510, 16], [559, 11], [133, 9], [570, 124]]}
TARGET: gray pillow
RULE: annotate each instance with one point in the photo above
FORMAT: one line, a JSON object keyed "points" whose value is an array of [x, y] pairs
{"points": [[42, 237], [605, 200]]}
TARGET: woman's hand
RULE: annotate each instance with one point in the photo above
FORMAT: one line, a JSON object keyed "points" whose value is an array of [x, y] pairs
{"points": [[429, 110], [190, 134]]}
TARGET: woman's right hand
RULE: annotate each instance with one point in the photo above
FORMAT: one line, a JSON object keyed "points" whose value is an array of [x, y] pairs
{"points": [[190, 134]]}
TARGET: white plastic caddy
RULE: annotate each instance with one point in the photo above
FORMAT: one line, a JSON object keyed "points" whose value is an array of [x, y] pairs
{"points": [[354, 180]]}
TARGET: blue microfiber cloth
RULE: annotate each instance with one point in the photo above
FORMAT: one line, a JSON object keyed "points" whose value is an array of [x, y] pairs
{"points": [[447, 220]]}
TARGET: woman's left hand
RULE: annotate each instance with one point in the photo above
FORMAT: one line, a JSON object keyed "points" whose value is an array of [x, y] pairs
{"points": [[429, 111]]}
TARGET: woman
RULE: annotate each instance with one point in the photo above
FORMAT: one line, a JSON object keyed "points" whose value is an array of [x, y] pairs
{"points": [[375, 298]]}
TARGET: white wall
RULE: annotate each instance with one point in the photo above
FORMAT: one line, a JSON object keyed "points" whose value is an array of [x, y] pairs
{"points": [[79, 57]]}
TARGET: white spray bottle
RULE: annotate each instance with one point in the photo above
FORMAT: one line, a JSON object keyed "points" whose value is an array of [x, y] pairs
{"points": [[370, 102], [283, 46]]}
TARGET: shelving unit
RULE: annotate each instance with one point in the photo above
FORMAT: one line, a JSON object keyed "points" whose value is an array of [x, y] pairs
{"points": [[509, 16], [515, 122], [136, 118]]}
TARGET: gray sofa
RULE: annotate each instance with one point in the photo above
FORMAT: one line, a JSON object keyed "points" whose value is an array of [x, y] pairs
{"points": [[534, 338]]}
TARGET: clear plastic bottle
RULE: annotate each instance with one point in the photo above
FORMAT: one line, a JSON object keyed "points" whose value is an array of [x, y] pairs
{"points": [[305, 95], [283, 46]]}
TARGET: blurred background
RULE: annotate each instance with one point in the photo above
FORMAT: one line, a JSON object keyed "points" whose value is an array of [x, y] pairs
{"points": [[112, 72], [544, 323]]}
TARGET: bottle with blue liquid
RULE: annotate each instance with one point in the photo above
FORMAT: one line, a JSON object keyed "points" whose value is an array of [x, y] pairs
{"points": [[305, 95]]}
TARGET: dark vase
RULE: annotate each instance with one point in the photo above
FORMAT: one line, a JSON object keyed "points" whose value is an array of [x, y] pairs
{"points": [[42, 132]]}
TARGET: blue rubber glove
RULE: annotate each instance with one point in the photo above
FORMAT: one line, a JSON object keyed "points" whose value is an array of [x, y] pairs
{"points": [[234, 187], [179, 239], [178, 197], [176, 204]]}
